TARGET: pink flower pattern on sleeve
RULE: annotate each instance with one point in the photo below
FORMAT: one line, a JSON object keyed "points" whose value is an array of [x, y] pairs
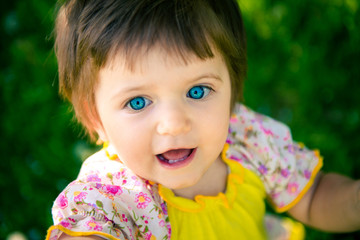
{"points": [[265, 146], [108, 200]]}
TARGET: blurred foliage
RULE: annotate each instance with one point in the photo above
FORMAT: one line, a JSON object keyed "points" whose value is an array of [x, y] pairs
{"points": [[304, 59]]}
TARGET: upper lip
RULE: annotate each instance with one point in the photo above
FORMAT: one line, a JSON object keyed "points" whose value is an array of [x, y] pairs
{"points": [[174, 148]]}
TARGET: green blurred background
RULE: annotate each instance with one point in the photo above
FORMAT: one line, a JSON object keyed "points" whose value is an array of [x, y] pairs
{"points": [[304, 69]]}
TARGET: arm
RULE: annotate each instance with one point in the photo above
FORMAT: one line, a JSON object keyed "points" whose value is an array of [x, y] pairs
{"points": [[331, 204]]}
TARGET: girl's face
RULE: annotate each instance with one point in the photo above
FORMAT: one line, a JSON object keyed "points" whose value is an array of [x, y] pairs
{"points": [[167, 120]]}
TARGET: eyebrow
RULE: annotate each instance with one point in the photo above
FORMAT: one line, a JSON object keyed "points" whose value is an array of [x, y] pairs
{"points": [[142, 87], [208, 75], [129, 89]]}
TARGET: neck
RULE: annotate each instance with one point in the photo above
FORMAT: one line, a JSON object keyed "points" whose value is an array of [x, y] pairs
{"points": [[211, 184]]}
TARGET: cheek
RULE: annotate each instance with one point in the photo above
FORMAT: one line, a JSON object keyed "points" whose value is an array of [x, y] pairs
{"points": [[222, 127], [130, 138], [223, 119], [216, 126]]}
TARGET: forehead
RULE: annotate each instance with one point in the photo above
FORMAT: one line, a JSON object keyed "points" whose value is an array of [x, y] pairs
{"points": [[156, 68], [143, 58]]}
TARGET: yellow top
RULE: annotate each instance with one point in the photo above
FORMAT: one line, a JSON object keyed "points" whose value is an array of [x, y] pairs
{"points": [[237, 214]]}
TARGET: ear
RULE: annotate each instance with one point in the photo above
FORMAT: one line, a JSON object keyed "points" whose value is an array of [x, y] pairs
{"points": [[101, 133], [98, 127], [94, 123]]}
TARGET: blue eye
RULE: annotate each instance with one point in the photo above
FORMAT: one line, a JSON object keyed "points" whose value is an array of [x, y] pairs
{"points": [[138, 103], [198, 92]]}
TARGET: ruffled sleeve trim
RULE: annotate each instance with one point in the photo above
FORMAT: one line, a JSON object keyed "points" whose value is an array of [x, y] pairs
{"points": [[310, 183], [55, 231]]}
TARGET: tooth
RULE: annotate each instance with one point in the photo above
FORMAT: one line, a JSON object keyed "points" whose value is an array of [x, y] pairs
{"points": [[176, 160]]}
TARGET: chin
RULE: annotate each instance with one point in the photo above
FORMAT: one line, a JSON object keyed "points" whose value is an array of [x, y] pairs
{"points": [[183, 185]]}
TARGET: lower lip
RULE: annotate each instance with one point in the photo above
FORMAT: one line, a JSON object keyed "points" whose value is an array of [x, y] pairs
{"points": [[179, 164]]}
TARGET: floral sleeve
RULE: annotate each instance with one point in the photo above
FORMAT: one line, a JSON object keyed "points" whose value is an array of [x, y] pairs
{"points": [[89, 209], [108, 200], [265, 146]]}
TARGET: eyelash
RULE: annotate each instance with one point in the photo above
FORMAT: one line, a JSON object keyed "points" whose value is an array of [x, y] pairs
{"points": [[205, 91], [144, 102], [139, 103]]}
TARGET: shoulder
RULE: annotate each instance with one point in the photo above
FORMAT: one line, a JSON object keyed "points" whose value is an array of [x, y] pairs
{"points": [[105, 169], [247, 123], [109, 199], [257, 139], [265, 146]]}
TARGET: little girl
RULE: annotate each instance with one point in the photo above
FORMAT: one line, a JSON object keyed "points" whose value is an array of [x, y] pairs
{"points": [[159, 83]]}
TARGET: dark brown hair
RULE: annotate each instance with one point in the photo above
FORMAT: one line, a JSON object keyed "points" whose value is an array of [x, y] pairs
{"points": [[90, 32]]}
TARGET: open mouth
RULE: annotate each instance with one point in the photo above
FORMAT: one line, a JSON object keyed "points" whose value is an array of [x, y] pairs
{"points": [[176, 157]]}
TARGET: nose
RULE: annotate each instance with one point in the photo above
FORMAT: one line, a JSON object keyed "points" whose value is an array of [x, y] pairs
{"points": [[173, 120]]}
